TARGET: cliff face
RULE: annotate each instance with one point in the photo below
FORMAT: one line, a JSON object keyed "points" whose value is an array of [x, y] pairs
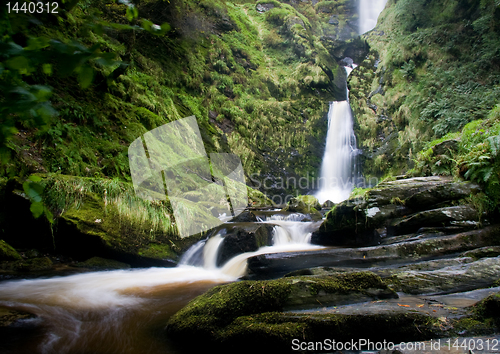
{"points": [[258, 76], [433, 67]]}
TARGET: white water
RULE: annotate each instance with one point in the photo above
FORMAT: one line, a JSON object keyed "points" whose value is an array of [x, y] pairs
{"points": [[116, 311], [336, 179], [369, 10]]}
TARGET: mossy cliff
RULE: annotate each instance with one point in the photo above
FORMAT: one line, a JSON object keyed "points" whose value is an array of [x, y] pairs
{"points": [[257, 76], [432, 68]]}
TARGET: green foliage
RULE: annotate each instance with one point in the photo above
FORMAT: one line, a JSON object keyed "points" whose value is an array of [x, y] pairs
{"points": [[477, 158], [435, 73], [34, 191]]}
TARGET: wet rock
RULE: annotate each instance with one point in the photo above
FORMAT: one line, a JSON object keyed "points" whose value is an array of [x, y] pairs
{"points": [[280, 264], [16, 327], [263, 7], [7, 252], [441, 193], [246, 216], [387, 270], [244, 238], [397, 208], [490, 251], [436, 217], [481, 273], [102, 264], [385, 192]]}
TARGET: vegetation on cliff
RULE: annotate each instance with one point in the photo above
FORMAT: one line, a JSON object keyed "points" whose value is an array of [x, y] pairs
{"points": [[433, 68]]}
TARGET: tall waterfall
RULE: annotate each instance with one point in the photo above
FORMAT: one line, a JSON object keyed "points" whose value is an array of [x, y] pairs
{"points": [[337, 179], [369, 10]]}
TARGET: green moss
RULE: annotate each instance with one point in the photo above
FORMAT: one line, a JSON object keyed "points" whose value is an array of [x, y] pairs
{"points": [[7, 253], [102, 263], [483, 319], [157, 251], [34, 264], [346, 283], [305, 204], [252, 309]]}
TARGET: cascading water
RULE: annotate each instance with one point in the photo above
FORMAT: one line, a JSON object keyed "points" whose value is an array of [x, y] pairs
{"points": [[369, 10], [336, 179], [338, 169], [115, 311]]}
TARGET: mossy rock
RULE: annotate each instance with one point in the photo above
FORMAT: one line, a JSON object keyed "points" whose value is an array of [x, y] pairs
{"points": [[484, 317], [34, 264], [8, 253], [305, 204], [489, 251], [102, 263], [215, 315], [251, 312]]}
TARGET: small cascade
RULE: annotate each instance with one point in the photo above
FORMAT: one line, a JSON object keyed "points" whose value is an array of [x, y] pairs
{"points": [[290, 233], [210, 251], [280, 236], [194, 255], [369, 10]]}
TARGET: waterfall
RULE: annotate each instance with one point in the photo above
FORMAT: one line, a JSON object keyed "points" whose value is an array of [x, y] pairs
{"points": [[369, 10], [337, 179]]}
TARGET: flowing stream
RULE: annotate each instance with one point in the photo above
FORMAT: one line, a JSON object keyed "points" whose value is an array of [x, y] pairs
{"points": [[125, 311]]}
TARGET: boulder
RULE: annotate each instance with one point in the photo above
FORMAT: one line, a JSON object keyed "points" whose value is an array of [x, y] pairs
{"points": [[397, 208], [305, 204], [102, 264], [441, 193], [8, 253], [246, 216], [462, 214], [263, 7], [241, 239], [445, 147]]}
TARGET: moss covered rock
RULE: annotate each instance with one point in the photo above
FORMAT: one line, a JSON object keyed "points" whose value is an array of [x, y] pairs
{"points": [[102, 264], [252, 313], [305, 204], [7, 252], [396, 208], [34, 264]]}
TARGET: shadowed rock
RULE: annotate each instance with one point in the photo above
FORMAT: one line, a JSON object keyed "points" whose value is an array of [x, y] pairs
{"points": [[243, 238]]}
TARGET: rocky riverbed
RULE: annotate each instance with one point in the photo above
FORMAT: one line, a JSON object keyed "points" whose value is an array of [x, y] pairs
{"points": [[410, 260]]}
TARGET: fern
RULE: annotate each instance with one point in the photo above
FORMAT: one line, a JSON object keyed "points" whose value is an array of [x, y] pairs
{"points": [[494, 142]]}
